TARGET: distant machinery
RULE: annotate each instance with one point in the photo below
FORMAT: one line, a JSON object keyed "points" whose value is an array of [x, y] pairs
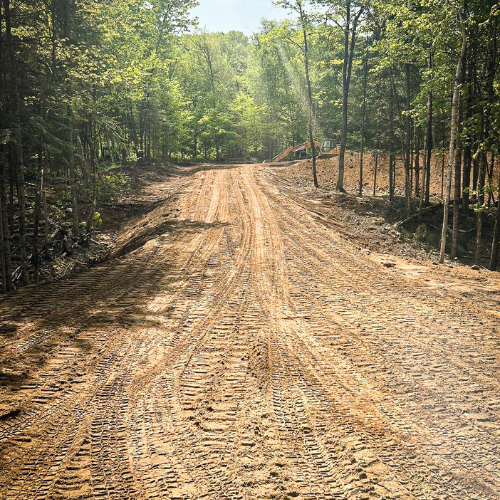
{"points": [[328, 148]]}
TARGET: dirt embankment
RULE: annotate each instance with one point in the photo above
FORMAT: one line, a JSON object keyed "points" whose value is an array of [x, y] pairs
{"points": [[373, 220], [69, 255]]}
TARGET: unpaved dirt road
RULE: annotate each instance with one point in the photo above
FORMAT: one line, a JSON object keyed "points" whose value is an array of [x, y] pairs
{"points": [[248, 351]]}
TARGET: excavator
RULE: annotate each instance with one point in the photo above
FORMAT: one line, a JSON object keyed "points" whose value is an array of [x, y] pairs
{"points": [[328, 148]]}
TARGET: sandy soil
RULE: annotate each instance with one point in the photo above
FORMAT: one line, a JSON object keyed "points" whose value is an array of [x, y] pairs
{"points": [[244, 347], [300, 173]]}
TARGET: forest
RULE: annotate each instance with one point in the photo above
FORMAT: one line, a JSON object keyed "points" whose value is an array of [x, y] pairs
{"points": [[92, 90]]}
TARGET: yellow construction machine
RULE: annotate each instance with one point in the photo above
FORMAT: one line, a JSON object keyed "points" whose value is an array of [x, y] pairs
{"points": [[294, 149], [328, 148]]}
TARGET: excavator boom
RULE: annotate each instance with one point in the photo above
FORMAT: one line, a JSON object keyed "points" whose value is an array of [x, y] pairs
{"points": [[282, 155], [295, 149]]}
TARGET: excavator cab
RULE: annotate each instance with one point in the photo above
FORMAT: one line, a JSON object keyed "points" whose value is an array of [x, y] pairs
{"points": [[327, 145], [329, 148]]}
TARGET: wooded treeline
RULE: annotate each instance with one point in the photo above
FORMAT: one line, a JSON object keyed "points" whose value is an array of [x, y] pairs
{"points": [[88, 86], [411, 79], [85, 87]]}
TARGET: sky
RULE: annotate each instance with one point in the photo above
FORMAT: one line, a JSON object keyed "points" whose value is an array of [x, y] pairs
{"points": [[237, 15]]}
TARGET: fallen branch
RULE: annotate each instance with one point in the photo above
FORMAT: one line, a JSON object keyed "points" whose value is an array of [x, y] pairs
{"points": [[426, 211]]}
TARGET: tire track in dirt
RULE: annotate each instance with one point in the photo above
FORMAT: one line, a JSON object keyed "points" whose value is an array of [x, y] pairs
{"points": [[112, 362], [324, 471], [253, 354], [344, 285]]}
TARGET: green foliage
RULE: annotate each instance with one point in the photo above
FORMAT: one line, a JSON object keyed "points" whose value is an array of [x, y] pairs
{"points": [[128, 77], [97, 219], [112, 185]]}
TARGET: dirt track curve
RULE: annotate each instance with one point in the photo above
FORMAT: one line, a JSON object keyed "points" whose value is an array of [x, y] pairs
{"points": [[251, 352]]}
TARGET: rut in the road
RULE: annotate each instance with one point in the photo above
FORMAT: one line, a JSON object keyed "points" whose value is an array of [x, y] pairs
{"points": [[250, 353]]}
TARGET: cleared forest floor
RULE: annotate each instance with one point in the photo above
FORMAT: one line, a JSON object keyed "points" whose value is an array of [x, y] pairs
{"points": [[248, 347]]}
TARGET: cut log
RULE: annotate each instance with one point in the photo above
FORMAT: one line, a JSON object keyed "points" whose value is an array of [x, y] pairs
{"points": [[426, 211]]}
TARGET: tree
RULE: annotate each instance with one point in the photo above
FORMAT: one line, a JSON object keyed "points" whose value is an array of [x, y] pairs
{"points": [[363, 121], [346, 15], [453, 133], [297, 6]]}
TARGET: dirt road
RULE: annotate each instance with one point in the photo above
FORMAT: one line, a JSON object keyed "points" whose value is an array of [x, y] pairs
{"points": [[249, 351]]}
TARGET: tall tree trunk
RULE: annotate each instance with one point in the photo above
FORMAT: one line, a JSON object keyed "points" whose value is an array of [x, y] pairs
{"points": [[72, 179], [429, 141], [17, 156], [3, 271], [466, 182], [392, 176], [349, 46], [417, 160], [38, 210], [453, 134], [45, 222], [375, 171], [21, 196], [408, 142], [422, 186], [479, 214], [443, 156], [5, 224], [3, 208], [142, 125], [491, 168], [466, 176], [363, 123], [457, 193], [195, 144], [496, 232], [475, 171], [148, 133], [93, 169], [309, 95]]}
